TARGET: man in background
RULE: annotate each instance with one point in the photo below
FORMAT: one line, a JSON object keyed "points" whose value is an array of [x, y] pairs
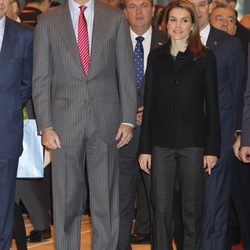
{"points": [[135, 184], [230, 68], [16, 46], [239, 31]]}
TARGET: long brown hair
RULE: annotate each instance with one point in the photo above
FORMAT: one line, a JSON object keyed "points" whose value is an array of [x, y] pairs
{"points": [[194, 41]]}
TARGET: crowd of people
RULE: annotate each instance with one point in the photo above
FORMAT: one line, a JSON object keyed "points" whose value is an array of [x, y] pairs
{"points": [[146, 112]]}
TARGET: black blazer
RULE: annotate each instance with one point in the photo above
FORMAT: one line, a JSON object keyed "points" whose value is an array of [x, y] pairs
{"points": [[181, 102]]}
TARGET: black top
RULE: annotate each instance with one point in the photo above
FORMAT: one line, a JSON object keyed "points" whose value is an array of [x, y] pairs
{"points": [[181, 102]]}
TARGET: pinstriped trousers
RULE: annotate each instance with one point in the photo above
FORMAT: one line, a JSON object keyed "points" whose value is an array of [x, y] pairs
{"points": [[103, 178]]}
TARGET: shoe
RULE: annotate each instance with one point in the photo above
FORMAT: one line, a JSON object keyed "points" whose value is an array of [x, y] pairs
{"points": [[140, 238], [39, 235]]}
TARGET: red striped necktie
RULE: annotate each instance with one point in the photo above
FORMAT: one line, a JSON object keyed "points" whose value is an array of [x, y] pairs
{"points": [[83, 41]]}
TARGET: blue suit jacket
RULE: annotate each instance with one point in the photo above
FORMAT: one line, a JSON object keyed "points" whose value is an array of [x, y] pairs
{"points": [[230, 68], [15, 85]]}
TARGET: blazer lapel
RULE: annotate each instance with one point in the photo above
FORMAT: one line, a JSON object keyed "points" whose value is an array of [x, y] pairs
{"points": [[212, 41], [64, 24], [9, 38], [99, 29], [155, 39]]}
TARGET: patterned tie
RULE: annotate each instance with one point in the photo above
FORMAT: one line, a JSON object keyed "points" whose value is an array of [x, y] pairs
{"points": [[83, 41], [139, 61]]}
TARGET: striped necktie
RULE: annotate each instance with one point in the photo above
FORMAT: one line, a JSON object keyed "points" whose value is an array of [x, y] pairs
{"points": [[83, 41]]}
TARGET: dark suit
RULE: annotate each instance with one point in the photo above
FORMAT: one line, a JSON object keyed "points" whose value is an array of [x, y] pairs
{"points": [[35, 194], [230, 67], [244, 36], [129, 173], [15, 90], [242, 176], [177, 131]]}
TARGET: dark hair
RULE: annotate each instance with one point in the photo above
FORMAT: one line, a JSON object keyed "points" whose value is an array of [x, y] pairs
{"points": [[34, 1], [225, 6], [54, 4], [125, 3], [194, 42]]}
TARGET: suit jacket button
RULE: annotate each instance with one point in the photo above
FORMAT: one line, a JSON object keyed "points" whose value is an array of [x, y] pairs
{"points": [[174, 108], [175, 82]]}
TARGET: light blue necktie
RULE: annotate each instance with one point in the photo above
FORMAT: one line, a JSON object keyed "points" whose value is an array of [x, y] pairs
{"points": [[139, 61]]}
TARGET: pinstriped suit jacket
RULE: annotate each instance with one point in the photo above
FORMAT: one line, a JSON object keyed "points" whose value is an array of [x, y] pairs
{"points": [[61, 90]]}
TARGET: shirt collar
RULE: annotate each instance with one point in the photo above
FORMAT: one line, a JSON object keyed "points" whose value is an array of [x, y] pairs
{"points": [[146, 35], [205, 32], [2, 23], [74, 7]]}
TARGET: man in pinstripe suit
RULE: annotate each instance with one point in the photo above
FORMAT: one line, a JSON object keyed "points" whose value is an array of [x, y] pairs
{"points": [[84, 116]]}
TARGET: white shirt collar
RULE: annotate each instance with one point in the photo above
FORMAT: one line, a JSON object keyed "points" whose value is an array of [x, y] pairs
{"points": [[2, 23], [147, 35], [204, 34], [75, 10], [2, 26], [146, 43]]}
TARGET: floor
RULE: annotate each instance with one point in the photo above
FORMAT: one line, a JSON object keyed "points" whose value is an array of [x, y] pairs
{"points": [[86, 239]]}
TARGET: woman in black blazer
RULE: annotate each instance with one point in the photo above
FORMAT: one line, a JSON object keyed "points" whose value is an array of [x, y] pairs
{"points": [[180, 136]]}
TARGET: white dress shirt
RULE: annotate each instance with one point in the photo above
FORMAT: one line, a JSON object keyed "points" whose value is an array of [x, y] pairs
{"points": [[146, 43], [89, 15], [204, 34], [2, 25]]}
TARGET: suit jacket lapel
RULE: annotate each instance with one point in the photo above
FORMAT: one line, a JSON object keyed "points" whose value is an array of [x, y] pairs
{"points": [[99, 29], [212, 41], [9, 38], [64, 24], [155, 39]]}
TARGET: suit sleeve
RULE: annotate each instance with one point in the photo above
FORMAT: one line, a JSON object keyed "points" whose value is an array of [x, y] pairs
{"points": [[236, 65], [145, 146], [26, 83], [245, 133], [42, 76], [126, 73], [212, 146]]}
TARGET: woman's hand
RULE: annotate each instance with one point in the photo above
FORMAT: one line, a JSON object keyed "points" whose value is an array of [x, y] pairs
{"points": [[209, 163], [145, 162]]}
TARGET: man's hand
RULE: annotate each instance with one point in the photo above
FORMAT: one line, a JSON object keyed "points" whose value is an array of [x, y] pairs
{"points": [[139, 116], [50, 139], [145, 163], [209, 163], [244, 154], [236, 147], [124, 135]]}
